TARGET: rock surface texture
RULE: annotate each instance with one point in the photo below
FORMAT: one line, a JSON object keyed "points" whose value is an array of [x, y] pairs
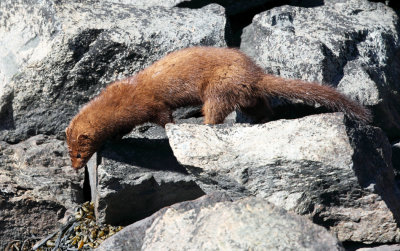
{"points": [[205, 224], [338, 173]]}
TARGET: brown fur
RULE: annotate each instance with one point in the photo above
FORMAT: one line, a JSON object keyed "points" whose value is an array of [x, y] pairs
{"points": [[219, 78]]}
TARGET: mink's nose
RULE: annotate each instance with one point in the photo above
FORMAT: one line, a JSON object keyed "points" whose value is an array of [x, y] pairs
{"points": [[77, 165]]}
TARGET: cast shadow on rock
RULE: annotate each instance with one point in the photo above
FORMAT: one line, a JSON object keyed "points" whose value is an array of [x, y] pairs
{"points": [[153, 161], [7, 113], [374, 170], [154, 154], [147, 199]]}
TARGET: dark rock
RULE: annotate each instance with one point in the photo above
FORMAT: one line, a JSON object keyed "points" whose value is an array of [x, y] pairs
{"points": [[396, 158]]}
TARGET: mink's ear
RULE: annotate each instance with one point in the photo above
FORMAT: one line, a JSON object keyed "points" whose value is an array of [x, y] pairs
{"points": [[66, 131], [83, 137]]}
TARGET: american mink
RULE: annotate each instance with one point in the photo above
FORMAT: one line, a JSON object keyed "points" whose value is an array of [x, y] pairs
{"points": [[221, 79]]}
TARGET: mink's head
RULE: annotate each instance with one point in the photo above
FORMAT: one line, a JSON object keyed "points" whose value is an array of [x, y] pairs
{"points": [[80, 146]]}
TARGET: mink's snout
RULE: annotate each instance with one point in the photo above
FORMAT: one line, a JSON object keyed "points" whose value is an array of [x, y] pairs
{"points": [[78, 163]]}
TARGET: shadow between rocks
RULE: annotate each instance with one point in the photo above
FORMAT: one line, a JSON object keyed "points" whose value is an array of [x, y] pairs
{"points": [[372, 164], [158, 180], [146, 199], [238, 16], [7, 113], [153, 154]]}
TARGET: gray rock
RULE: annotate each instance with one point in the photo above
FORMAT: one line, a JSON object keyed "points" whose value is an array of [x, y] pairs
{"points": [[351, 45], [247, 224], [323, 166], [56, 55], [189, 114], [147, 131], [132, 236], [135, 177], [37, 187]]}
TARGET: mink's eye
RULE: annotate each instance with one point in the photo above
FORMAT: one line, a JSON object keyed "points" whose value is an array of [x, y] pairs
{"points": [[78, 155]]}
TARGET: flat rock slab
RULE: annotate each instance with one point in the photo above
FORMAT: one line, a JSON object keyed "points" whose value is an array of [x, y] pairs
{"points": [[336, 172], [206, 224]]}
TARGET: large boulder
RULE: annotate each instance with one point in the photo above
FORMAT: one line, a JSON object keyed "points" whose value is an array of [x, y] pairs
{"points": [[350, 44], [208, 224], [56, 55], [336, 172]]}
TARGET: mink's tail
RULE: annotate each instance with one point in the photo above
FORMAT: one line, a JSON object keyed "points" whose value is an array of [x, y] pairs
{"points": [[326, 96]]}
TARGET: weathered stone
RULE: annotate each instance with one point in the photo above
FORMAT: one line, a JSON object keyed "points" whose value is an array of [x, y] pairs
{"points": [[37, 187], [247, 224], [24, 217], [132, 236], [323, 166], [56, 55], [350, 44], [136, 177]]}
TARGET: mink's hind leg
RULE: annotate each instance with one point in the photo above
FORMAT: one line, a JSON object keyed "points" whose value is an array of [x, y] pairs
{"points": [[259, 112], [215, 111]]}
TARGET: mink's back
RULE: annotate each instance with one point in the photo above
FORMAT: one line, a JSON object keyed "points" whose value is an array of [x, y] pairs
{"points": [[185, 74]]}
